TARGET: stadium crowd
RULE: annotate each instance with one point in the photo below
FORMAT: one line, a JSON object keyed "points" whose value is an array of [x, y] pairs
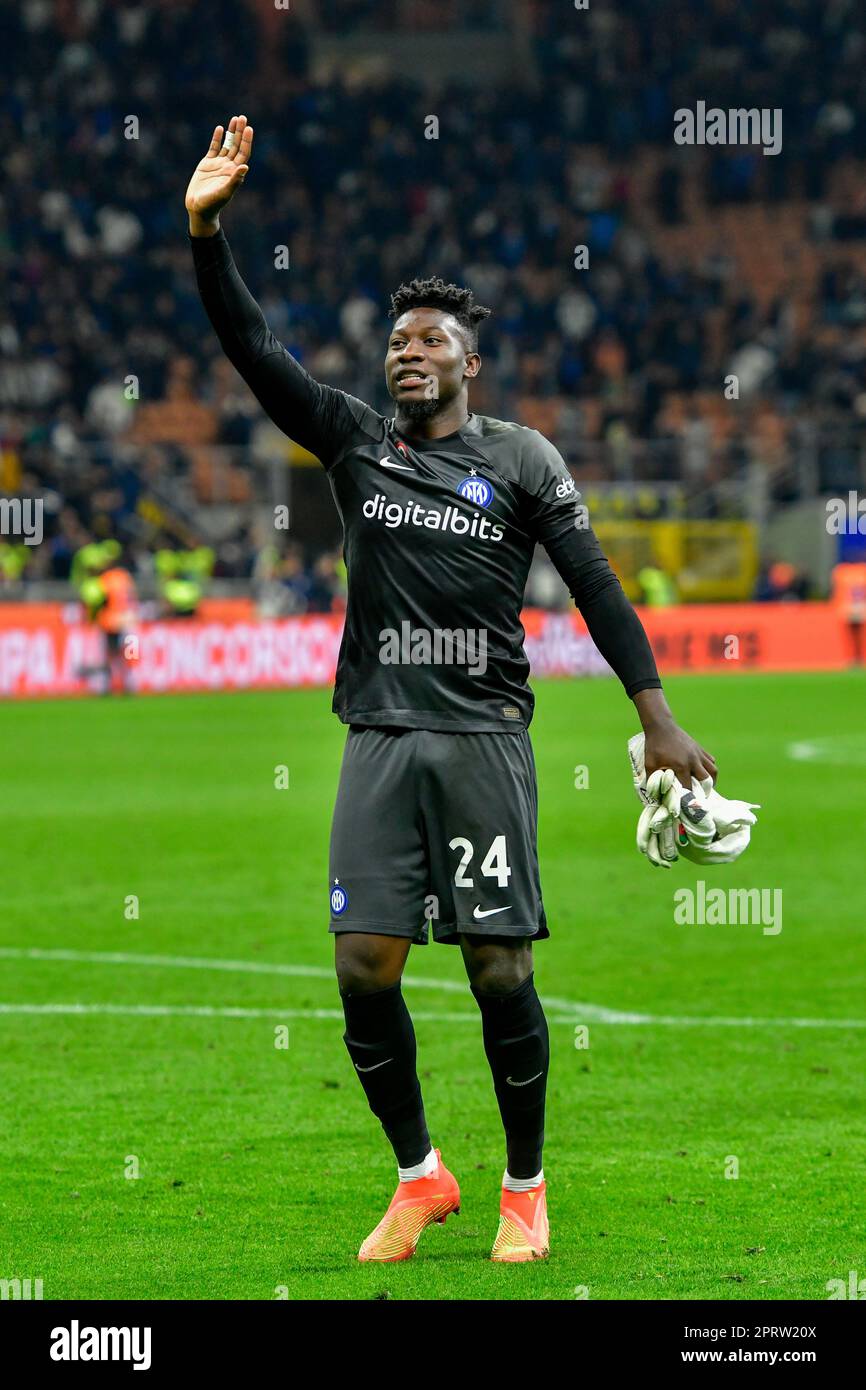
{"points": [[621, 363]]}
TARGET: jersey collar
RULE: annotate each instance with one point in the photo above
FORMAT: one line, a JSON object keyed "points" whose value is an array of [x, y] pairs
{"points": [[472, 427]]}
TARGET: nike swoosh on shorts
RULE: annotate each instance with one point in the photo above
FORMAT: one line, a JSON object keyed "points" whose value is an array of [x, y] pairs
{"points": [[490, 912]]}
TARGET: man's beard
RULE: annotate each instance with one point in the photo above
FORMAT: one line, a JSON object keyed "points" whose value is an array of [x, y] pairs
{"points": [[421, 410]]}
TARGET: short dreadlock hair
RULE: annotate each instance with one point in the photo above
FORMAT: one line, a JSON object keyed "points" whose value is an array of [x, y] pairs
{"points": [[433, 293]]}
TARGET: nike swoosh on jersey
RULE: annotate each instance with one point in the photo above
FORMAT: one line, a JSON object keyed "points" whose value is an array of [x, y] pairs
{"points": [[524, 1083], [490, 911], [389, 463], [375, 1065]]}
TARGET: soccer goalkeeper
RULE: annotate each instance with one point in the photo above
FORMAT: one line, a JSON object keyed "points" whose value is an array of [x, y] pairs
{"points": [[435, 817]]}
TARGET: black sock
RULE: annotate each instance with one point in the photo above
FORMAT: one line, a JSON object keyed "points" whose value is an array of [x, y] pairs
{"points": [[381, 1043], [518, 1049]]}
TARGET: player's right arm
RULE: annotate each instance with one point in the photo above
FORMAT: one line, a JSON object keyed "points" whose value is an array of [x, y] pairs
{"points": [[318, 417]]}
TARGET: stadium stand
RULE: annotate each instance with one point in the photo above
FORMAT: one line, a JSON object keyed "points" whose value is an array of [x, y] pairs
{"points": [[119, 410]]}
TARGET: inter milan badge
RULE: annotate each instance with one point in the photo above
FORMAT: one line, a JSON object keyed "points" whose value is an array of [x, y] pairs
{"points": [[339, 899], [476, 490]]}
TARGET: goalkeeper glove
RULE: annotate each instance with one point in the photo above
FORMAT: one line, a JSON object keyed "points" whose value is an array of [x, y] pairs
{"points": [[657, 828], [705, 827]]}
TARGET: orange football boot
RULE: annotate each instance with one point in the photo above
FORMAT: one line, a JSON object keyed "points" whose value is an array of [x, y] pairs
{"points": [[523, 1230], [413, 1207]]}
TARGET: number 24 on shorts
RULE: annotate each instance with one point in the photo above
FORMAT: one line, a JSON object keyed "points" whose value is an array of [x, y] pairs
{"points": [[494, 864]]}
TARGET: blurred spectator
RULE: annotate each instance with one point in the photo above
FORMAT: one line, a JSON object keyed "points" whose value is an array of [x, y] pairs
{"points": [[325, 586], [780, 582], [620, 359], [295, 581]]}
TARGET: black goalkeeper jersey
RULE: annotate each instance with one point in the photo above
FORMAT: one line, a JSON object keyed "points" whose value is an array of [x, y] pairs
{"points": [[438, 539]]}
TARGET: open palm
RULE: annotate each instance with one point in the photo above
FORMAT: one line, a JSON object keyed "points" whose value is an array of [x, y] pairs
{"points": [[218, 176]]}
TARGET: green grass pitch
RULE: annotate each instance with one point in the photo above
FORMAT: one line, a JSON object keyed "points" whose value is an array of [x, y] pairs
{"points": [[260, 1168]]}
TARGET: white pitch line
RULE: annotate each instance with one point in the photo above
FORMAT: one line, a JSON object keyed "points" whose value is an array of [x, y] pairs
{"points": [[252, 967], [576, 1011], [207, 1011], [420, 1016]]}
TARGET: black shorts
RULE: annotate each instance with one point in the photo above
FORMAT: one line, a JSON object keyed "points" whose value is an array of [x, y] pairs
{"points": [[436, 829]]}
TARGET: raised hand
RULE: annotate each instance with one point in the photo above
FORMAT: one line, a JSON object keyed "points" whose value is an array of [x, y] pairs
{"points": [[219, 175]]}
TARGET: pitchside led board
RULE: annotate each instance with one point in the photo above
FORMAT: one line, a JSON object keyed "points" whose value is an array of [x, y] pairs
{"points": [[45, 646]]}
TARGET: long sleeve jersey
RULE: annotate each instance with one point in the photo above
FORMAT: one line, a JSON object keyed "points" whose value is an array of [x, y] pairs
{"points": [[439, 535]]}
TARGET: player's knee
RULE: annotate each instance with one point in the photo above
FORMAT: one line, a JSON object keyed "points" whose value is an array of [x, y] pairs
{"points": [[362, 970], [500, 972]]}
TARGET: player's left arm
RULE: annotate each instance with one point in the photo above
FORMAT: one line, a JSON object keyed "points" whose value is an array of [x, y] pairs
{"points": [[560, 522], [667, 745]]}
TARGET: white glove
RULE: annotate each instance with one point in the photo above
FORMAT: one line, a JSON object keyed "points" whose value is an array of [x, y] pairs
{"points": [[704, 827], [657, 826], [696, 826], [733, 821]]}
